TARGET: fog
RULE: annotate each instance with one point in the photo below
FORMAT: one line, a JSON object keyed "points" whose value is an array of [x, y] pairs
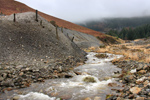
{"points": [[83, 10]]}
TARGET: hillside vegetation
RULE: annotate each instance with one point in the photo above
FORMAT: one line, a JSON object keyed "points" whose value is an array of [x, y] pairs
{"points": [[104, 25], [131, 33]]}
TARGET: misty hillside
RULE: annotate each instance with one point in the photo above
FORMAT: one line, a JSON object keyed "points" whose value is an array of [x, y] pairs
{"points": [[106, 24]]}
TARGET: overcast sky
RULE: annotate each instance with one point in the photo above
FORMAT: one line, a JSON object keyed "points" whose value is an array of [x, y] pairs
{"points": [[82, 10]]}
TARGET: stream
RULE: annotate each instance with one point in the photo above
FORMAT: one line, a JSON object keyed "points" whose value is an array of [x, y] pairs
{"points": [[99, 71]]}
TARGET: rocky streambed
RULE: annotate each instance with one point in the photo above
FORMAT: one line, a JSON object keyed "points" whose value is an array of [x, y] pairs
{"points": [[20, 76], [97, 79], [91, 81], [135, 78]]}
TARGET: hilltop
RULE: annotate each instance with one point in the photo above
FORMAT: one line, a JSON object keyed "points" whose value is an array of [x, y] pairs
{"points": [[9, 7]]}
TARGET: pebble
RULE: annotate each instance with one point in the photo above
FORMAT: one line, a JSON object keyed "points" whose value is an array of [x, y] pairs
{"points": [[142, 72], [136, 80], [24, 75], [140, 98], [15, 98], [88, 98], [135, 90], [97, 98]]}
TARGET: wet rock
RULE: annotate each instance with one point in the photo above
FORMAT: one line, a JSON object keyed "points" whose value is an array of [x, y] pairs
{"points": [[10, 76], [72, 73], [18, 81], [142, 72], [97, 98], [140, 98], [8, 89], [107, 78], [84, 73], [24, 76], [77, 73], [135, 90], [54, 94], [116, 72], [119, 98], [146, 83], [15, 98], [21, 73], [131, 96], [7, 83], [40, 79], [27, 69], [129, 78], [140, 67], [4, 75], [146, 67], [88, 98], [19, 66], [141, 80], [113, 97], [112, 84], [126, 89], [35, 70], [60, 69], [1, 78], [66, 97], [68, 76]]}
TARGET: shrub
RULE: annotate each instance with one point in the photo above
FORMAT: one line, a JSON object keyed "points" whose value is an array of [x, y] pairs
{"points": [[102, 46], [101, 55], [53, 23], [89, 79]]}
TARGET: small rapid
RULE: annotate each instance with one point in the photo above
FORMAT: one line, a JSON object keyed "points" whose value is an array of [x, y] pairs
{"points": [[92, 82]]}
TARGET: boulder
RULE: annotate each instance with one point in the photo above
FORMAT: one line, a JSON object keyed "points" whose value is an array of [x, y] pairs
{"points": [[135, 90]]}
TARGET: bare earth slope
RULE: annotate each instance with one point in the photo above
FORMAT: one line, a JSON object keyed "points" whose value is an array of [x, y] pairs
{"points": [[9, 7], [28, 41], [82, 40]]}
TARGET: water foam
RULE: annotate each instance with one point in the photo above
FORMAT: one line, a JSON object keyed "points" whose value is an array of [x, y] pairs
{"points": [[36, 96], [97, 68]]}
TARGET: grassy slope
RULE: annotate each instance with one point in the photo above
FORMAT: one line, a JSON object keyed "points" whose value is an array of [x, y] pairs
{"points": [[10, 6]]}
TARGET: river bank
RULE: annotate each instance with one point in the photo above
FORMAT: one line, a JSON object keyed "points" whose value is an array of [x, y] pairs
{"points": [[21, 76], [135, 78], [88, 81], [135, 67]]}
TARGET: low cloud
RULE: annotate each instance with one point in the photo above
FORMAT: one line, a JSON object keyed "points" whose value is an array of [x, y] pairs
{"points": [[82, 10]]}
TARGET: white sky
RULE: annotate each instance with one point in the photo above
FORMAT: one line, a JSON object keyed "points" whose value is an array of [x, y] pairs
{"points": [[82, 10]]}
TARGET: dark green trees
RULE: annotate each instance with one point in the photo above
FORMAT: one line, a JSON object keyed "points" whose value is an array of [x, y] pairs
{"points": [[132, 33]]}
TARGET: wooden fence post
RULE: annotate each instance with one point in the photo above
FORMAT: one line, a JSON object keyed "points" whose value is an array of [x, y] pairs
{"points": [[72, 39], [14, 17], [57, 33], [36, 19]]}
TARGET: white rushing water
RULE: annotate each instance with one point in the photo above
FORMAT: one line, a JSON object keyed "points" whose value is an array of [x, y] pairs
{"points": [[77, 88]]}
